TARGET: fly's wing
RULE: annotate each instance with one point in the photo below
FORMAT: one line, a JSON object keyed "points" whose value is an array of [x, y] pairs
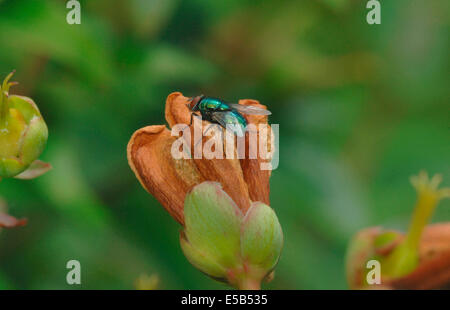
{"points": [[228, 118], [248, 109]]}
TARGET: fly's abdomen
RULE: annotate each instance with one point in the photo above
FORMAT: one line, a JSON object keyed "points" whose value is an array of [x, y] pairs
{"points": [[231, 120], [239, 119], [238, 123]]}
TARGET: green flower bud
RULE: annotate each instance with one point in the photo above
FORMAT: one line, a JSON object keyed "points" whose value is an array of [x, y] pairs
{"points": [[226, 245], [23, 132]]}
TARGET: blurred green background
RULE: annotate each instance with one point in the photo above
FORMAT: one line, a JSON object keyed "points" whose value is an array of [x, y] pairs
{"points": [[361, 108]]}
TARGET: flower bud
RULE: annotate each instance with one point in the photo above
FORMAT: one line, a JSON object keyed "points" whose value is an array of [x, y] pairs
{"points": [[23, 132], [226, 245]]}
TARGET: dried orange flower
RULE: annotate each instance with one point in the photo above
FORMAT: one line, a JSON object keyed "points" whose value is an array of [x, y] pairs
{"points": [[169, 179], [229, 231]]}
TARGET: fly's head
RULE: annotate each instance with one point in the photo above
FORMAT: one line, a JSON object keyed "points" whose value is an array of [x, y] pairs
{"points": [[194, 102]]}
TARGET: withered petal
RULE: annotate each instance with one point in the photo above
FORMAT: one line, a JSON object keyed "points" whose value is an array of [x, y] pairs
{"points": [[8, 221], [432, 273], [227, 172], [177, 111], [166, 178], [256, 179], [435, 240]]}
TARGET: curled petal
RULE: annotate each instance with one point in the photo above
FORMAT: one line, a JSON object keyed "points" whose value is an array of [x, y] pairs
{"points": [[177, 111], [166, 178], [256, 178]]}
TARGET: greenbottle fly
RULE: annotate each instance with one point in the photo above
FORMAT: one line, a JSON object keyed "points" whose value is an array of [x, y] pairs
{"points": [[217, 111]]}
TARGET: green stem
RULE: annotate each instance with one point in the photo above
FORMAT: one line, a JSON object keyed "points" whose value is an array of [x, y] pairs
{"points": [[422, 213], [249, 284], [405, 257]]}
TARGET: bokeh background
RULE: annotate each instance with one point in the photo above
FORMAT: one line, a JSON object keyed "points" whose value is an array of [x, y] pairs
{"points": [[361, 108]]}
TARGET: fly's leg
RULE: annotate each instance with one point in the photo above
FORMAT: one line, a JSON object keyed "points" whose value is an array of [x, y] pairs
{"points": [[192, 118], [206, 131]]}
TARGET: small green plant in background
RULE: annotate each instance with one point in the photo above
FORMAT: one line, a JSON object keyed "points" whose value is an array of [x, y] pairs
{"points": [[23, 136], [419, 259]]}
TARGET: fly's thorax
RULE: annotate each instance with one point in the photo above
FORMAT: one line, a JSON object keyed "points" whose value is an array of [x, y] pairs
{"points": [[207, 116], [213, 104]]}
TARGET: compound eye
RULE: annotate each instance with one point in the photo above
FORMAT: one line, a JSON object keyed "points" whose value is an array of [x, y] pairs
{"points": [[194, 102]]}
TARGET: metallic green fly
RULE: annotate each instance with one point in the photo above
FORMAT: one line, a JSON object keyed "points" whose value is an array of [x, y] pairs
{"points": [[217, 111]]}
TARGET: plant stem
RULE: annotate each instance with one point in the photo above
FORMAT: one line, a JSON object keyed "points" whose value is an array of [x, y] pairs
{"points": [[423, 210], [249, 284], [405, 257]]}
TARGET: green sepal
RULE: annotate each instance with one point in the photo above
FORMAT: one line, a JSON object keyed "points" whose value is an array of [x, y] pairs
{"points": [[203, 261], [261, 238], [221, 242], [34, 141], [212, 224]]}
